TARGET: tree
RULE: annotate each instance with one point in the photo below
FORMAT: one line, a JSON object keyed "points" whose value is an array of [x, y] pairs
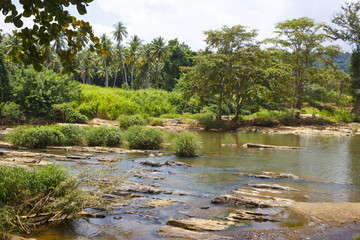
{"points": [[50, 20], [179, 56], [106, 44], [227, 69], [119, 34], [132, 57], [348, 22], [160, 51], [5, 88], [146, 64], [301, 43]]}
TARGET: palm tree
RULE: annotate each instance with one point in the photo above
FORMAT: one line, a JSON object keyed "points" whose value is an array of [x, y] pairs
{"points": [[119, 34], [106, 44], [58, 46], [131, 60], [12, 44], [160, 51], [146, 63], [89, 66]]}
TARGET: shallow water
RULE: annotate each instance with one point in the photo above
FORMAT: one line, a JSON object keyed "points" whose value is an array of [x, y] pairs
{"points": [[329, 165]]}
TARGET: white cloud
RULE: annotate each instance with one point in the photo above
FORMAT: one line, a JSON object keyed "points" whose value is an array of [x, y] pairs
{"points": [[187, 19]]}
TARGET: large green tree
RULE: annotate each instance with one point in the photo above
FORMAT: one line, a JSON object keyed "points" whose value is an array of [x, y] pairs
{"points": [[301, 42], [348, 22], [227, 69], [50, 19], [179, 56]]}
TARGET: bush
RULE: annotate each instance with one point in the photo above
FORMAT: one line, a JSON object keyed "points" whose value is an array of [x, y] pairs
{"points": [[128, 121], [157, 122], [140, 137], [185, 144], [5, 87], [73, 135], [208, 121], [37, 92], [103, 136], [36, 137], [12, 110], [66, 113]]}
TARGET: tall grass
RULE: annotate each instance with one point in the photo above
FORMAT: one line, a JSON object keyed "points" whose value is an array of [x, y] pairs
{"points": [[185, 144], [59, 135], [113, 102], [140, 137]]}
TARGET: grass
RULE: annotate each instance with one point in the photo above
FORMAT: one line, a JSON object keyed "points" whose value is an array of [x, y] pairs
{"points": [[32, 191], [104, 136], [60, 135], [113, 102], [185, 144], [128, 121], [140, 137]]}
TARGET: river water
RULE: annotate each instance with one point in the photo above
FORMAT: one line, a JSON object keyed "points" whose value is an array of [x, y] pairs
{"points": [[330, 167]]}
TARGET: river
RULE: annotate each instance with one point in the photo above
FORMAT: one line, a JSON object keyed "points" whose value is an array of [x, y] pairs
{"points": [[329, 166]]}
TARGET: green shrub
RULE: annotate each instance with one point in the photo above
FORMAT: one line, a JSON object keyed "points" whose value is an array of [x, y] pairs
{"points": [[5, 87], [128, 121], [185, 144], [36, 137], [357, 237], [208, 121], [157, 122], [66, 113], [103, 136], [140, 137], [37, 92], [28, 191], [74, 135], [12, 110], [89, 109]]}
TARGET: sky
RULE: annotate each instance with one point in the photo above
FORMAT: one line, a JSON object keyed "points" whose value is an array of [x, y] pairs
{"points": [[188, 19]]}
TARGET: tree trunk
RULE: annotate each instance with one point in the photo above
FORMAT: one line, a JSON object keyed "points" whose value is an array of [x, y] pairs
{"points": [[125, 76], [106, 75], [237, 110], [220, 103], [132, 78], [356, 108]]}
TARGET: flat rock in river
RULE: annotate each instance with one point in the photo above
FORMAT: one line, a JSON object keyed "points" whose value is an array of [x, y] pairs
{"points": [[199, 224], [252, 201], [180, 233]]}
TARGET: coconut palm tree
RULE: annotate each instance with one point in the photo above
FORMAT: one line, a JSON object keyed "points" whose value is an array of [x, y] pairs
{"points": [[146, 63], [12, 44], [132, 57], [58, 46], [160, 51], [106, 58], [119, 34]]}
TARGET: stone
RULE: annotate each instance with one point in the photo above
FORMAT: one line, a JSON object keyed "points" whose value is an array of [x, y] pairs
{"points": [[247, 215], [229, 145], [273, 175], [91, 215], [152, 164], [254, 145], [148, 176], [273, 186], [199, 224], [176, 164], [159, 203], [252, 201], [139, 187], [180, 233]]}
